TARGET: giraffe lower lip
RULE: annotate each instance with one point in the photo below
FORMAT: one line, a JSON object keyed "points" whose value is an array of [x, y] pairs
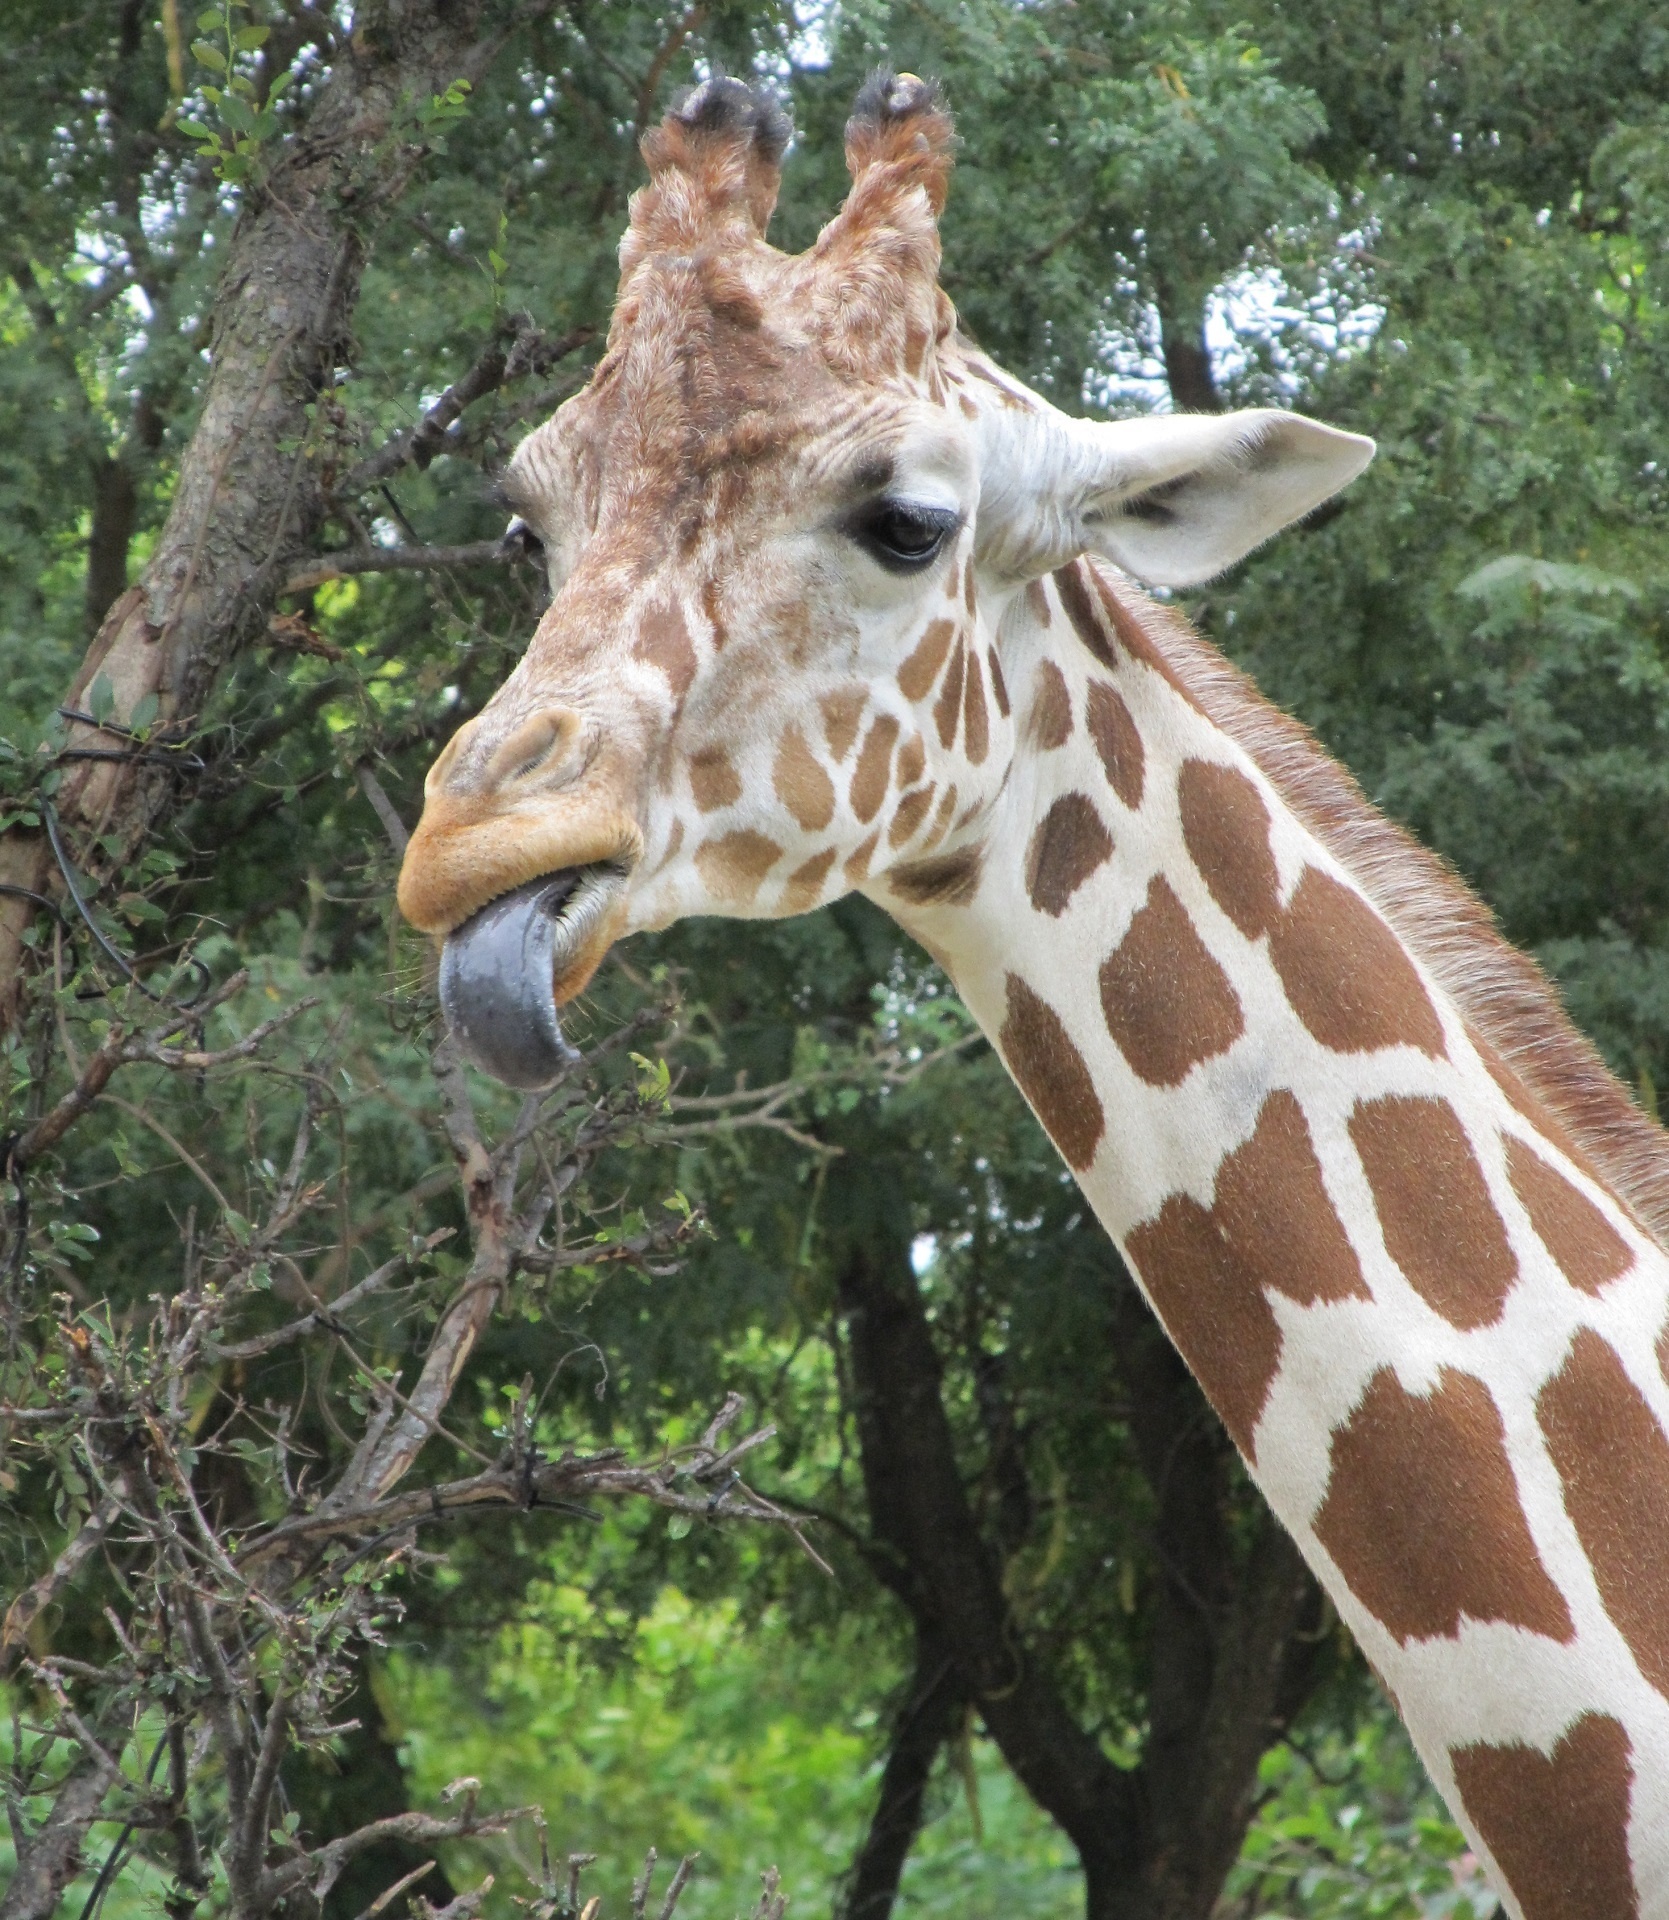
{"points": [[496, 984]]}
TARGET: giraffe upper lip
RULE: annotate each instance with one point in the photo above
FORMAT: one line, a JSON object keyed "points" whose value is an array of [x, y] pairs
{"points": [[499, 969]]}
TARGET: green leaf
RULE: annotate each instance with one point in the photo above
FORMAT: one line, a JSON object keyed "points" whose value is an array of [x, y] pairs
{"points": [[209, 54], [145, 712], [247, 39], [211, 20], [101, 697], [678, 1526]]}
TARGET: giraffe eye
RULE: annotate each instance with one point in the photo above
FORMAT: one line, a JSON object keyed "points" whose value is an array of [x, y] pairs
{"points": [[905, 537]]}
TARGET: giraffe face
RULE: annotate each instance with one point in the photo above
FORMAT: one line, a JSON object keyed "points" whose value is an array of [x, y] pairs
{"points": [[782, 522]]}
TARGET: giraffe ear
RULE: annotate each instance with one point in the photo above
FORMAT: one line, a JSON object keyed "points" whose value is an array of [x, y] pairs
{"points": [[1171, 498], [714, 162]]}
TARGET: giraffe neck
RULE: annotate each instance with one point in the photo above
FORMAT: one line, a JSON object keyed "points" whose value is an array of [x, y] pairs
{"points": [[1429, 1327]]}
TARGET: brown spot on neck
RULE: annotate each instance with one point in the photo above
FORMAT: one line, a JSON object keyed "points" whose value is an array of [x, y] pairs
{"points": [[947, 709], [1209, 1269], [1226, 827], [999, 686], [1423, 1518], [1051, 1074], [1067, 846], [664, 641], [1591, 1253], [1613, 1459], [801, 784], [869, 778], [1116, 740], [1167, 1002], [734, 864], [1037, 598], [1071, 583], [804, 886], [912, 761], [909, 814], [1048, 723], [1557, 1823], [842, 713], [976, 720], [857, 861], [713, 780], [1439, 1223], [921, 669], [1346, 973]]}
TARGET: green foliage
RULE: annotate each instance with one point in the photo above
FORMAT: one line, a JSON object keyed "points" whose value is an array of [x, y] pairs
{"points": [[1465, 231]]}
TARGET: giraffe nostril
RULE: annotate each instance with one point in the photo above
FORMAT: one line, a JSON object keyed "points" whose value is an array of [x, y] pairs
{"points": [[539, 746]]}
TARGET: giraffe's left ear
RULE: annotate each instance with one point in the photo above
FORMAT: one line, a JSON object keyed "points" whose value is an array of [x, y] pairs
{"points": [[1171, 498]]}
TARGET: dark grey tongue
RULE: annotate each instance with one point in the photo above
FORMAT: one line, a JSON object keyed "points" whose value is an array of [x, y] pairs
{"points": [[496, 985]]}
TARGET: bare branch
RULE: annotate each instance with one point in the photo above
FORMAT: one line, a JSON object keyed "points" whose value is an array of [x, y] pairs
{"points": [[352, 560]]}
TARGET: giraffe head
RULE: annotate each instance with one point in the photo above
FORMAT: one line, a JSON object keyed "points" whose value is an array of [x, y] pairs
{"points": [[782, 523]]}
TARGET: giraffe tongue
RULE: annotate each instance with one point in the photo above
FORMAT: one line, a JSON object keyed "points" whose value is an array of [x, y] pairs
{"points": [[496, 974]]}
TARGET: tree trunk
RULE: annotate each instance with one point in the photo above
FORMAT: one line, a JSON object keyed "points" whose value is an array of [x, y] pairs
{"points": [[1188, 364], [928, 1717], [919, 1510], [250, 497]]}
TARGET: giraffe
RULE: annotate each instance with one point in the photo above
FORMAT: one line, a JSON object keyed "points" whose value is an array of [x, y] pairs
{"points": [[838, 604]]}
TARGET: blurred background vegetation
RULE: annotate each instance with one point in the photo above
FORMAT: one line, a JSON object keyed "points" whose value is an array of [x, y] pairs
{"points": [[1445, 226]]}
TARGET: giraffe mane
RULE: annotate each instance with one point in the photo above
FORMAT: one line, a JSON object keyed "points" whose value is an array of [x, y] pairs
{"points": [[1506, 1001]]}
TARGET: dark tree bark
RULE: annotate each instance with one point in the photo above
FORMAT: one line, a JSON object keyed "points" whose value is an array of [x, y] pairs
{"points": [[928, 1717], [53, 1857], [1232, 1638], [1188, 363], [251, 493]]}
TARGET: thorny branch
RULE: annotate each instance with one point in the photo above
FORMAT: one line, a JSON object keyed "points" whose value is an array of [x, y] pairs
{"points": [[241, 1631]]}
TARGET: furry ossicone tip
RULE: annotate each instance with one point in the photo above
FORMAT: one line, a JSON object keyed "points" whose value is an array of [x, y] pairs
{"points": [[887, 98], [727, 106], [900, 122]]}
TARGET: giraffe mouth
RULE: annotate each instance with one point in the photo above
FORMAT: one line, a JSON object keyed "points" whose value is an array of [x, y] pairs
{"points": [[501, 972]]}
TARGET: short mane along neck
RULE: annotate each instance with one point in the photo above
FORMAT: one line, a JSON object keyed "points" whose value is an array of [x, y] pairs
{"points": [[1387, 1204]]}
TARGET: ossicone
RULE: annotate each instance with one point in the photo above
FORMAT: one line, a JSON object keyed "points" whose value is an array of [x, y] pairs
{"points": [[715, 163], [901, 123]]}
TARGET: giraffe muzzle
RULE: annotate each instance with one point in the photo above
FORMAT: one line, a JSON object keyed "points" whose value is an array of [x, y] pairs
{"points": [[499, 972]]}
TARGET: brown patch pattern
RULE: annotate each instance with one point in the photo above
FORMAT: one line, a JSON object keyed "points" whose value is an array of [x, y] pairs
{"points": [[869, 779], [976, 718], [710, 607], [947, 708], [1049, 722], [1226, 827], [1080, 610], [1270, 1224], [842, 712], [912, 760], [805, 884], [1167, 1002], [1346, 973], [922, 668], [664, 641], [1067, 846], [1590, 1251], [1557, 1823], [857, 861], [1051, 1074], [1116, 740], [801, 784], [909, 814], [947, 880], [1613, 1459], [1439, 1223], [1423, 1518], [713, 780], [999, 686], [1037, 598], [734, 864]]}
